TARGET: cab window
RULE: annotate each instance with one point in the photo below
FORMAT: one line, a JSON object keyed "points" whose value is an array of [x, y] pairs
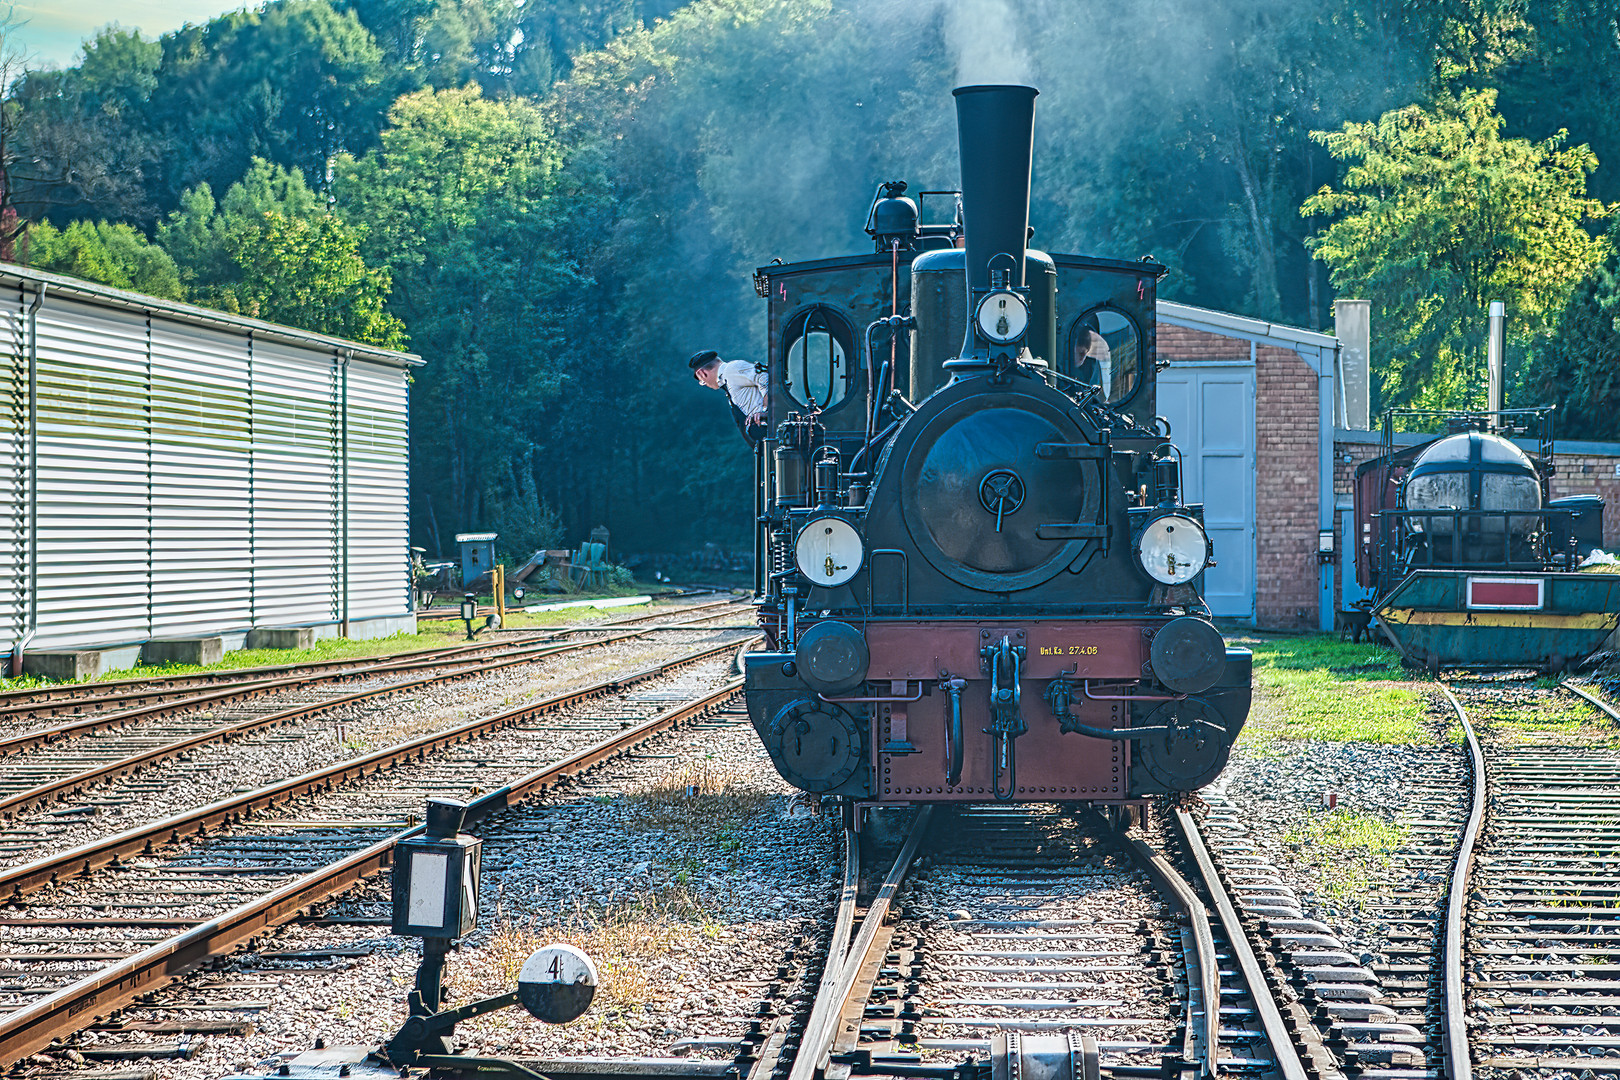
{"points": [[818, 347], [1105, 350]]}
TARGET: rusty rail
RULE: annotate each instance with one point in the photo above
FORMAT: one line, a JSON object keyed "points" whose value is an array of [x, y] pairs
{"points": [[80, 1004], [21, 880], [10, 805]]}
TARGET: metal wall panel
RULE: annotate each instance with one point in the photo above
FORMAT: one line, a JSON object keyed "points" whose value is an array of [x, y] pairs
{"points": [[378, 525], [190, 479], [202, 506], [296, 476], [13, 465], [93, 475]]}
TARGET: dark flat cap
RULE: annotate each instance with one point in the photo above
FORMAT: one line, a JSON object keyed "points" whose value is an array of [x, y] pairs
{"points": [[702, 359]]}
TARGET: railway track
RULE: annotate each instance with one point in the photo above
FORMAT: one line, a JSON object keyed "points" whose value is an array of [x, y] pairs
{"points": [[1050, 944], [1542, 924], [1500, 936], [71, 698], [50, 764], [77, 940]]}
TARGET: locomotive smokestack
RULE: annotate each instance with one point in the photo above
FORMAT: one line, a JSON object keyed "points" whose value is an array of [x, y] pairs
{"points": [[995, 126]]}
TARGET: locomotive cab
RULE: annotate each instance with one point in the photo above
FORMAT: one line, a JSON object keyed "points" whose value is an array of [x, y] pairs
{"points": [[979, 579]]}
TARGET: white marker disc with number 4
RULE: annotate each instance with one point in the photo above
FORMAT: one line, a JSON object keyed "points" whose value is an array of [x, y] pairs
{"points": [[557, 984]]}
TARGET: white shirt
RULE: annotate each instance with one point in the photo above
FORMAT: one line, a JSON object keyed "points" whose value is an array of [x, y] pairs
{"points": [[744, 384]]}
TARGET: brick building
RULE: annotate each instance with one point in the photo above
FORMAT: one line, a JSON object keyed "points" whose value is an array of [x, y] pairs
{"points": [[1248, 402], [1259, 411]]}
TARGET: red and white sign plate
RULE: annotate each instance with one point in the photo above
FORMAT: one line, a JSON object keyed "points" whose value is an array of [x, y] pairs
{"points": [[1506, 593]]}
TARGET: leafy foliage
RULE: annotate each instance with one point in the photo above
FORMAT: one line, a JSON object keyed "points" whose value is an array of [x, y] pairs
{"points": [[1436, 216], [110, 252], [456, 202], [559, 200], [309, 272], [1578, 364]]}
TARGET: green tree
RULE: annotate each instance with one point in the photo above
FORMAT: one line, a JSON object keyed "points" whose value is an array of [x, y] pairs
{"points": [[197, 234], [294, 82], [309, 273], [1437, 215], [70, 144], [457, 202], [269, 249], [1577, 365], [111, 253], [1567, 75]]}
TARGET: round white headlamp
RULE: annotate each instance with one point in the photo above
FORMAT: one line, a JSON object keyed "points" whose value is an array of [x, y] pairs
{"points": [[1173, 549], [1002, 317], [829, 551]]}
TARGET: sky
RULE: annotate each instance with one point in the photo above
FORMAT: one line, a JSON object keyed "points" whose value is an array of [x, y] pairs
{"points": [[51, 31]]}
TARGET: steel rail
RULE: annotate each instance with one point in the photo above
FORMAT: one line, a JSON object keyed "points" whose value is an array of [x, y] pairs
{"points": [[1283, 1048], [838, 946], [1209, 968], [331, 670], [18, 881], [1597, 702], [232, 693], [1454, 1017], [78, 1005], [506, 654], [834, 997], [49, 699], [67, 695], [11, 804]]}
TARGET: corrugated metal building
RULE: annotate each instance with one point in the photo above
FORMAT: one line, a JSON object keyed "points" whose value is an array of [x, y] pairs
{"points": [[170, 471]]}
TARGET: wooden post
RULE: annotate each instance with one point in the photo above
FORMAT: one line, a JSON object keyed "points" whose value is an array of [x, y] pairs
{"points": [[500, 592]]}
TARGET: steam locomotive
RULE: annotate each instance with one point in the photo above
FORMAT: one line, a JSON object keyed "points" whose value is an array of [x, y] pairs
{"points": [[1467, 558], [977, 579]]}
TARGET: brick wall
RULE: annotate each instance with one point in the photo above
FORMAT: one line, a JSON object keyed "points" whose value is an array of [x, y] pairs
{"points": [[1287, 431], [1183, 343]]}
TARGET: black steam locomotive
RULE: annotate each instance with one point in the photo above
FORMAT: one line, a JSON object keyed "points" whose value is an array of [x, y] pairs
{"points": [[977, 579]]}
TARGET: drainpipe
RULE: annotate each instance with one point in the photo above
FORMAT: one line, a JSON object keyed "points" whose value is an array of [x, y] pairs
{"points": [[32, 626], [347, 358]]}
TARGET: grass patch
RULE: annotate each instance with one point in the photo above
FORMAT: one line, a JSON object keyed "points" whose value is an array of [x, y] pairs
{"points": [[1564, 718], [428, 637], [701, 801], [1314, 686], [629, 939], [1345, 846]]}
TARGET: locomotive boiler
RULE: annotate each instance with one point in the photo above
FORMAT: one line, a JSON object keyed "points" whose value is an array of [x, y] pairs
{"points": [[977, 578]]}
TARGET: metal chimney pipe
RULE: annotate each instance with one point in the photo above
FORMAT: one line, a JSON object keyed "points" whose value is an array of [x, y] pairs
{"points": [[996, 132], [1493, 358]]}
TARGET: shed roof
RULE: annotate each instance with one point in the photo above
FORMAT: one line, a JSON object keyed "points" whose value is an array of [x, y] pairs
{"points": [[1243, 326], [30, 280]]}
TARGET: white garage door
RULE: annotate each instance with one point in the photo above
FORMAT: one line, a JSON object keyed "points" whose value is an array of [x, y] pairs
{"points": [[1211, 412]]}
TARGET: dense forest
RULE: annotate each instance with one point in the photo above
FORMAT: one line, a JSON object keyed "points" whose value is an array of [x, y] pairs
{"points": [[555, 202]]}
